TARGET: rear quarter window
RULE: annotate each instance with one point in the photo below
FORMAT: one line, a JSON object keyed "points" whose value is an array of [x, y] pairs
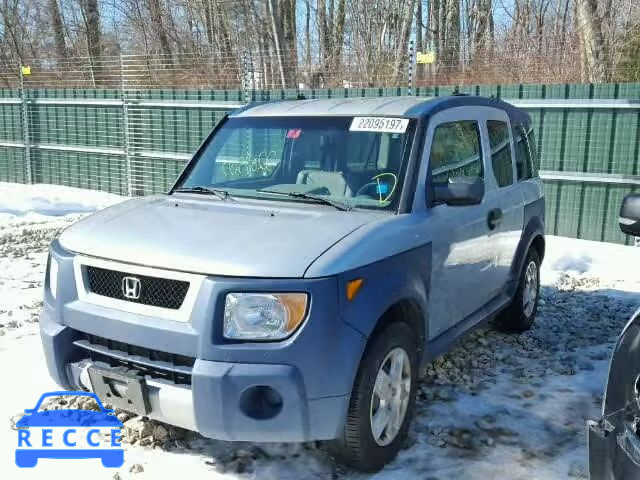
{"points": [[499, 140], [525, 151], [533, 148]]}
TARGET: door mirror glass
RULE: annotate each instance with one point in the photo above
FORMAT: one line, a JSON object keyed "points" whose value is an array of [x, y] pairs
{"points": [[459, 191], [630, 215]]}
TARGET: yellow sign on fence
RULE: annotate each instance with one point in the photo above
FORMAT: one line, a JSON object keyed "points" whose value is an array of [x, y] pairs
{"points": [[26, 70], [426, 57]]}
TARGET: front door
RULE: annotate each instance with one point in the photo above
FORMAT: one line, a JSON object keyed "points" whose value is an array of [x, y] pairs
{"points": [[463, 256]]}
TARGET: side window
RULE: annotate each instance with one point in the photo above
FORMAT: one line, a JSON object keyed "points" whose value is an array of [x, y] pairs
{"points": [[531, 141], [500, 152], [455, 151], [524, 162]]}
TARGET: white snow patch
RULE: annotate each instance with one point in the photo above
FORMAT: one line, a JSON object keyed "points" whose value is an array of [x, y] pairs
{"points": [[610, 263], [33, 202]]}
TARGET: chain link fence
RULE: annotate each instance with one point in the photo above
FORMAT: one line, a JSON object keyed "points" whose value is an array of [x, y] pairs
{"points": [[128, 124]]}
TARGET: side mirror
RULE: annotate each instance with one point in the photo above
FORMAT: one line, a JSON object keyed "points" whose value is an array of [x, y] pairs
{"points": [[630, 215], [459, 191], [29, 410]]}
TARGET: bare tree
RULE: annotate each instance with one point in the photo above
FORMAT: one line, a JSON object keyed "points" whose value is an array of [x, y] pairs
{"points": [[481, 25], [451, 39], [589, 28], [434, 26], [279, 41], [11, 26], [419, 35], [289, 12], [157, 14], [407, 15], [91, 16], [58, 28], [307, 34]]}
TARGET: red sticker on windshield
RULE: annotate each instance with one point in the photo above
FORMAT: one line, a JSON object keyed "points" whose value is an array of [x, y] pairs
{"points": [[294, 133]]}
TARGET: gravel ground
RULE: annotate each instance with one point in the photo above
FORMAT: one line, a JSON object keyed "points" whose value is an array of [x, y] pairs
{"points": [[23, 258], [496, 406]]}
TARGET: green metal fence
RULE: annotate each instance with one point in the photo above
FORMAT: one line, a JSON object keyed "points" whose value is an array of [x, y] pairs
{"points": [[137, 141]]}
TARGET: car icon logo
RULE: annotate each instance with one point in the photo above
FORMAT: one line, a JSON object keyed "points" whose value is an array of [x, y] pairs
{"points": [[69, 433], [131, 288]]}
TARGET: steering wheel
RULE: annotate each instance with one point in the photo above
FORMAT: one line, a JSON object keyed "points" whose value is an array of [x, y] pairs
{"points": [[381, 190]]}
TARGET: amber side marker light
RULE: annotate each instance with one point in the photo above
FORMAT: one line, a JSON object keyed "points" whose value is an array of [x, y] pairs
{"points": [[353, 287]]}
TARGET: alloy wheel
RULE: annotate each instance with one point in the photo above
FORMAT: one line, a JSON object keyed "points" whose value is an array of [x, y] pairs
{"points": [[390, 398], [530, 290]]}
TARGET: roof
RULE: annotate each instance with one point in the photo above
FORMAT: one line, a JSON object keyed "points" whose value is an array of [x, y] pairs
{"points": [[412, 107]]}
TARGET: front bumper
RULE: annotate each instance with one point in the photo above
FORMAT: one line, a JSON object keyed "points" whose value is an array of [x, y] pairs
{"points": [[212, 403], [312, 371]]}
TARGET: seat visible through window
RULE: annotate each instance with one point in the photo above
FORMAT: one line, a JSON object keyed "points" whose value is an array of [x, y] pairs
{"points": [[334, 182]]}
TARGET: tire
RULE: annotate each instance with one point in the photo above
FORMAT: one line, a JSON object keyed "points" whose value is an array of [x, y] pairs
{"points": [[518, 317], [357, 447]]}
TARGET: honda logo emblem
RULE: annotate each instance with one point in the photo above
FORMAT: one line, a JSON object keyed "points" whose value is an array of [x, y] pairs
{"points": [[131, 288]]}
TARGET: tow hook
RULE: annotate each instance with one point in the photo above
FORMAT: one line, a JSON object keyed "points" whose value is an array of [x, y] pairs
{"points": [[602, 428]]}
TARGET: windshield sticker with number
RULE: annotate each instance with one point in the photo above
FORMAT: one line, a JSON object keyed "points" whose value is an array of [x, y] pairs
{"points": [[379, 124]]}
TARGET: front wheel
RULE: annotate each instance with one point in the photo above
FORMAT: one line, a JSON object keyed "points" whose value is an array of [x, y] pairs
{"points": [[382, 401], [518, 317]]}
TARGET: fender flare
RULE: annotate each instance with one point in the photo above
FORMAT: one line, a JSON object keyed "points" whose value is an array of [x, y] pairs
{"points": [[402, 279]]}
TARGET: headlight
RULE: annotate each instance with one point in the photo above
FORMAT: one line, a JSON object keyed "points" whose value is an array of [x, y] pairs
{"points": [[53, 276], [263, 316]]}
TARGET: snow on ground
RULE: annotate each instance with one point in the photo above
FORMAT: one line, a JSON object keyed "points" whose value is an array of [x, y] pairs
{"points": [[37, 202], [30, 217], [497, 406]]}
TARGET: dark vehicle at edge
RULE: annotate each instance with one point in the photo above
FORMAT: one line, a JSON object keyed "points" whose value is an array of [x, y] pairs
{"points": [[614, 440]]}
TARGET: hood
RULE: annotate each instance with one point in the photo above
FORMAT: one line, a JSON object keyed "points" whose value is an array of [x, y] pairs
{"points": [[209, 236]]}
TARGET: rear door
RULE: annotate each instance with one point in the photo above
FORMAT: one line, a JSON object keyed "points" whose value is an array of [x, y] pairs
{"points": [[504, 196]]}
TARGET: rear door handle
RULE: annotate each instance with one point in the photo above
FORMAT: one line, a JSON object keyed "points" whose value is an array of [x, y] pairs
{"points": [[494, 218]]}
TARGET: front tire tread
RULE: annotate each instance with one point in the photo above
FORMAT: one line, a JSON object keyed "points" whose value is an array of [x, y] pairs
{"points": [[356, 447]]}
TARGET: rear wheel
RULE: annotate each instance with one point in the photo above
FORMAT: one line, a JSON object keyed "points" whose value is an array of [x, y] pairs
{"points": [[382, 401], [518, 317]]}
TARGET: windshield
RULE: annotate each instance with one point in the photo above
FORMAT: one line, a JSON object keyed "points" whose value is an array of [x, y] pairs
{"points": [[353, 161]]}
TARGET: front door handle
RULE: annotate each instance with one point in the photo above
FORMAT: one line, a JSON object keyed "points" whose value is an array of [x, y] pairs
{"points": [[494, 218]]}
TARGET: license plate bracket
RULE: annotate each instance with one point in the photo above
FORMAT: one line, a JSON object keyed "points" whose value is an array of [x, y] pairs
{"points": [[125, 390]]}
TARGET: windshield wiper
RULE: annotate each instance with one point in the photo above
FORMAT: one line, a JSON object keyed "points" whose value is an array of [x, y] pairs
{"points": [[316, 198], [221, 194]]}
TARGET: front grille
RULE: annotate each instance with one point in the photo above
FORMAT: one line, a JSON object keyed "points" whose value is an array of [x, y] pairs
{"points": [[154, 363], [154, 291]]}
